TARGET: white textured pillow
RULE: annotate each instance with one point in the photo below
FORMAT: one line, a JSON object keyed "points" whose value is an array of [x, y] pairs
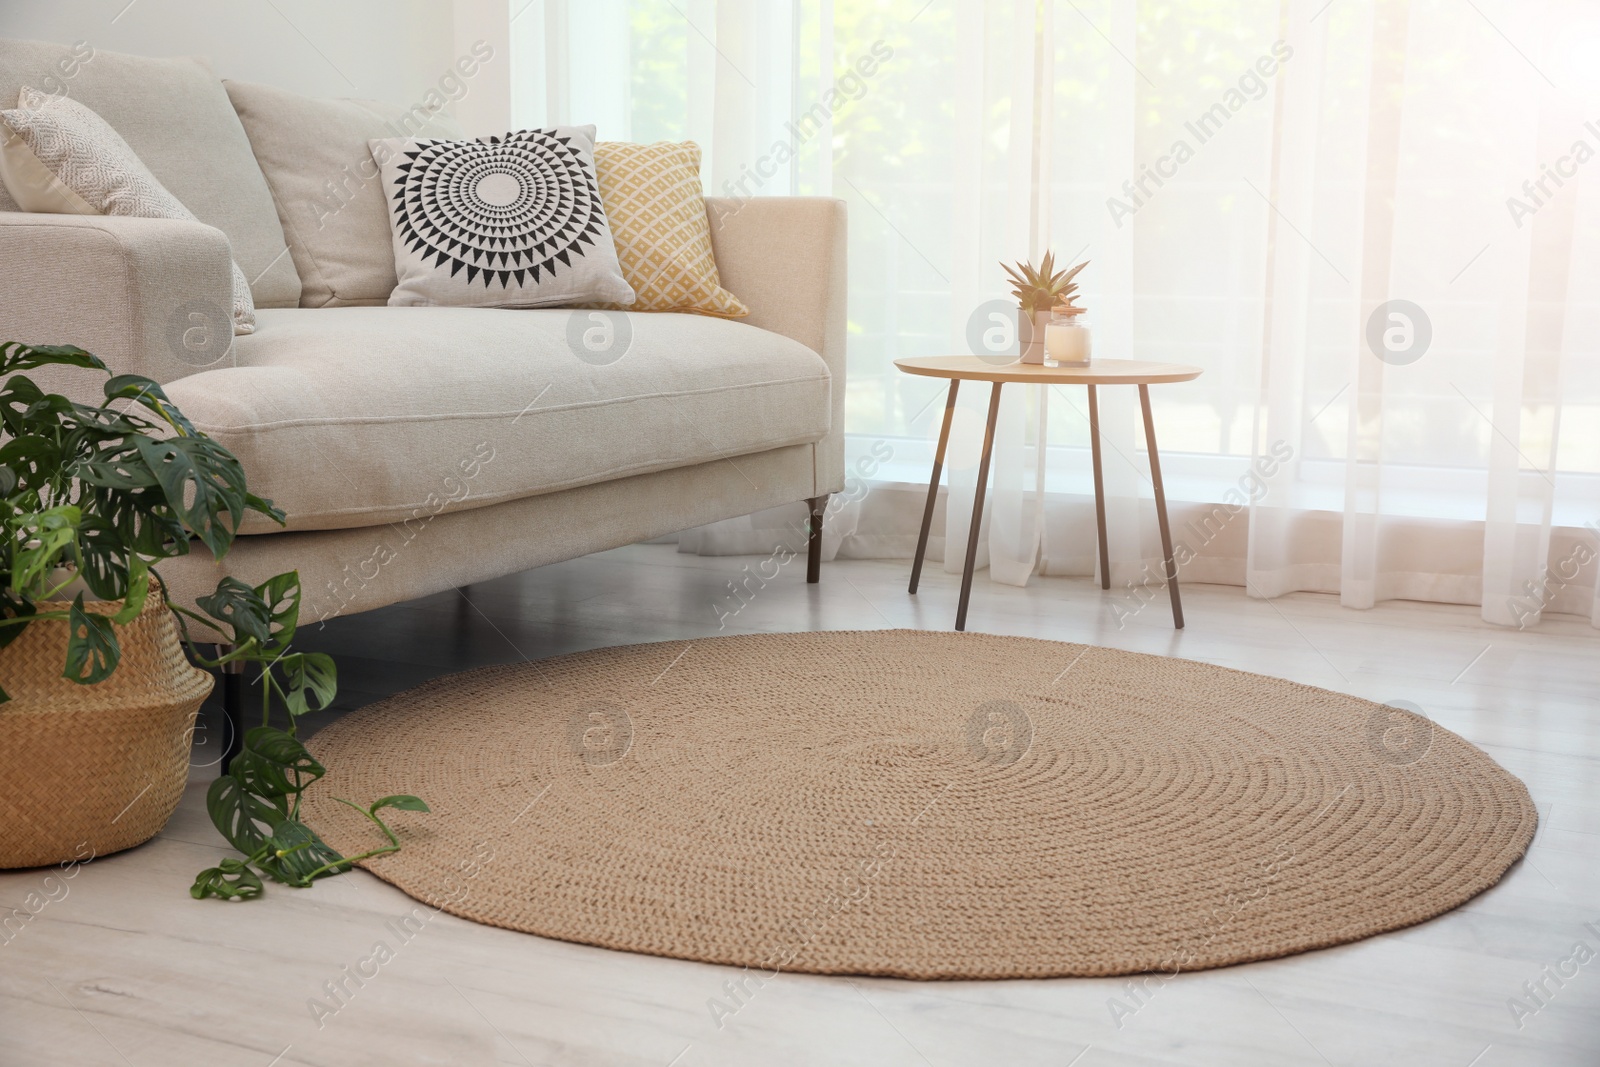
{"points": [[512, 221], [62, 158]]}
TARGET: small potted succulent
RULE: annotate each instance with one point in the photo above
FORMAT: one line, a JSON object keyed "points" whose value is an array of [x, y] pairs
{"points": [[99, 683], [1039, 290]]}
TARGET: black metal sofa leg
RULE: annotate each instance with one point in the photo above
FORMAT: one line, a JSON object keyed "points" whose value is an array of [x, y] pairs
{"points": [[232, 708], [819, 505]]}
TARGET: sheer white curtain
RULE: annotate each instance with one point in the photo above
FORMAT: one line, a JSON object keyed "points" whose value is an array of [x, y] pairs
{"points": [[1373, 223]]}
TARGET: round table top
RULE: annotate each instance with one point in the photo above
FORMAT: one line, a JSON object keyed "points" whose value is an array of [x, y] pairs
{"points": [[1099, 372]]}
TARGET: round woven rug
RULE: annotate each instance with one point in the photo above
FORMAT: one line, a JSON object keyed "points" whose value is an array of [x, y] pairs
{"points": [[925, 805]]}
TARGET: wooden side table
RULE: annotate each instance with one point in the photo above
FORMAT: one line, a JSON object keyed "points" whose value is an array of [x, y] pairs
{"points": [[1100, 372]]}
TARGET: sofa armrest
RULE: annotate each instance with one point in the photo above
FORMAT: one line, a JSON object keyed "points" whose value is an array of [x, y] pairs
{"points": [[784, 256], [148, 296]]}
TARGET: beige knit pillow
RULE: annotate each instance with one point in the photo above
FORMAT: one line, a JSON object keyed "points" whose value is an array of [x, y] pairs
{"points": [[652, 198]]}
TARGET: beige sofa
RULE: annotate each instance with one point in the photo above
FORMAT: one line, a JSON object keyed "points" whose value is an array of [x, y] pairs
{"points": [[420, 449]]}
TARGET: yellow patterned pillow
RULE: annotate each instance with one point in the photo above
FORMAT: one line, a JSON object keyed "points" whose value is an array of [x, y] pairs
{"points": [[653, 203]]}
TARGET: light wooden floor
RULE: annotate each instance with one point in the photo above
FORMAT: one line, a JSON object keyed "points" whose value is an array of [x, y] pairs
{"points": [[124, 969]]}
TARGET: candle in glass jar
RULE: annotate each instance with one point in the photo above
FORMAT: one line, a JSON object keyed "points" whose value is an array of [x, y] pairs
{"points": [[1067, 345]]}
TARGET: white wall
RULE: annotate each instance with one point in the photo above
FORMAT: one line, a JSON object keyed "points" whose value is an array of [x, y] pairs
{"points": [[486, 109], [389, 50]]}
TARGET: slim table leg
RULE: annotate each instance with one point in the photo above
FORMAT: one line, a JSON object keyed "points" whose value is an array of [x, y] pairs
{"points": [[1161, 507], [933, 483], [1099, 488], [977, 506]]}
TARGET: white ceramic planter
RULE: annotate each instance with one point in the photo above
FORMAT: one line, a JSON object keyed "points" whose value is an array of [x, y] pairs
{"points": [[1030, 335]]}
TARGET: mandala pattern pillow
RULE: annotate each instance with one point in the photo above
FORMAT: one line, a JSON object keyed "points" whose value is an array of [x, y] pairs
{"points": [[62, 158], [658, 218], [513, 221]]}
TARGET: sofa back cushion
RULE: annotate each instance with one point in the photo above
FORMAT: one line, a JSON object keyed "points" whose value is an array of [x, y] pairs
{"points": [[175, 115], [329, 195], [66, 160]]}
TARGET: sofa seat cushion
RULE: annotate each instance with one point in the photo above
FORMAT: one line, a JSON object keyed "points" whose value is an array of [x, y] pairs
{"points": [[357, 416]]}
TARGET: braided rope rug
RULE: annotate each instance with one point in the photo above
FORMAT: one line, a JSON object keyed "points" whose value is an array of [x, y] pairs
{"points": [[925, 805]]}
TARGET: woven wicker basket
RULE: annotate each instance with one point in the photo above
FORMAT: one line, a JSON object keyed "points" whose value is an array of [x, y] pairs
{"points": [[91, 769]]}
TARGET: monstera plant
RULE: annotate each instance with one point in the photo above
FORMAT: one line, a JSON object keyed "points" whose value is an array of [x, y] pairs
{"points": [[92, 499]]}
